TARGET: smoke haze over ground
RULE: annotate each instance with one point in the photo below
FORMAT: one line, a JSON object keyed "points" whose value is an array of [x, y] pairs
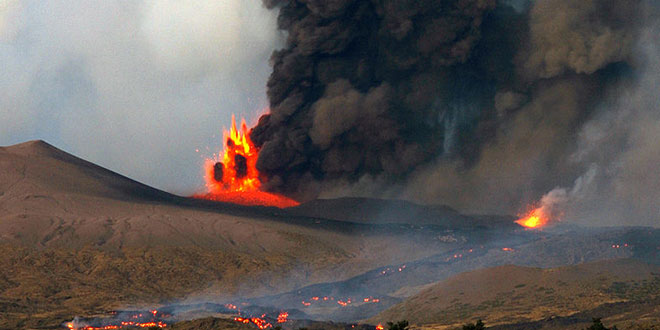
{"points": [[135, 86], [482, 105]]}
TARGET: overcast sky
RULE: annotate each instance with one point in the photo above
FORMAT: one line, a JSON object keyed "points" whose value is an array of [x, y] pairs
{"points": [[134, 86]]}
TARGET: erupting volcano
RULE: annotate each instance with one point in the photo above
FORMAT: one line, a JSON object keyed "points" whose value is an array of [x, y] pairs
{"points": [[232, 175]]}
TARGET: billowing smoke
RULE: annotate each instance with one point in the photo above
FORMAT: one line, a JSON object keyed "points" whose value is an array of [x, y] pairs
{"points": [[482, 105]]}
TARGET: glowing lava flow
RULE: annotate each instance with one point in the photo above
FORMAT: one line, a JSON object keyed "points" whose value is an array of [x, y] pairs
{"points": [[233, 176], [259, 322], [152, 319], [537, 218], [124, 324], [283, 317]]}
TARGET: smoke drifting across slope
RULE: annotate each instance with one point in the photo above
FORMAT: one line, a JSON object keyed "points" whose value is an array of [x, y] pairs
{"points": [[478, 104]]}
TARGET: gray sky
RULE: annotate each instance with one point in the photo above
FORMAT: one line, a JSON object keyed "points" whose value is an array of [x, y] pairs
{"points": [[134, 86]]}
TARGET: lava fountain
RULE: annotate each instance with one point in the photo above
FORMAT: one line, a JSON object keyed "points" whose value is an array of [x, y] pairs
{"points": [[232, 175]]}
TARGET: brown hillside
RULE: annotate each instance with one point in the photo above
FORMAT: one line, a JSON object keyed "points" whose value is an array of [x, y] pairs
{"points": [[76, 239], [512, 294]]}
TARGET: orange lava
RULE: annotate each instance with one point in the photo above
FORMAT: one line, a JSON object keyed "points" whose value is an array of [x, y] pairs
{"points": [[342, 302], [259, 322], [537, 218], [233, 177], [239, 160], [379, 327], [121, 326], [283, 317], [250, 198]]}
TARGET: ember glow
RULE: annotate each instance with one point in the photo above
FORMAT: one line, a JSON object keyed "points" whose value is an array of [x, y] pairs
{"points": [[537, 218], [389, 270], [283, 317], [232, 175], [258, 321], [121, 326], [342, 302], [124, 320]]}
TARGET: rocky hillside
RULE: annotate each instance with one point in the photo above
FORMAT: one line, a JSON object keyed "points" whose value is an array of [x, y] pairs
{"points": [[509, 295]]}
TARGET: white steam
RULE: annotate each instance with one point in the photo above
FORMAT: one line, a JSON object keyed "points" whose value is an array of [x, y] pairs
{"points": [[558, 200]]}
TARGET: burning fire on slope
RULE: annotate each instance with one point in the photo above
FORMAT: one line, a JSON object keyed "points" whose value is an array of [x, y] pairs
{"points": [[232, 175]]}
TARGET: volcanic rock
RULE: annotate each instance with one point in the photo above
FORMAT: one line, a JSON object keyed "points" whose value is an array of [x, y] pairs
{"points": [[240, 166], [218, 171]]}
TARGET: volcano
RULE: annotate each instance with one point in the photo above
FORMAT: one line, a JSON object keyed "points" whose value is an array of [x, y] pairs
{"points": [[77, 238], [81, 240]]}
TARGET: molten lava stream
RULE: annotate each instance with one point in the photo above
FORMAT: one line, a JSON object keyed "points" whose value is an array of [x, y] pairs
{"points": [[234, 178]]}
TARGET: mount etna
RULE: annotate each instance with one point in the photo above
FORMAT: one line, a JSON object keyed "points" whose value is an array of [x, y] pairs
{"points": [[84, 247]]}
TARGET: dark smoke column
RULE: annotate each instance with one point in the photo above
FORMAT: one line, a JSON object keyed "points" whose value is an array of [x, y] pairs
{"points": [[376, 87]]}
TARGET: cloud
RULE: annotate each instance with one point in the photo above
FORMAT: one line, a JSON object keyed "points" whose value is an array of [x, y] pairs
{"points": [[207, 34], [8, 12]]}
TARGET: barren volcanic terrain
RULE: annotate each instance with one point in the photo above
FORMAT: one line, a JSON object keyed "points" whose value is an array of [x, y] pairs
{"points": [[78, 240], [517, 294]]}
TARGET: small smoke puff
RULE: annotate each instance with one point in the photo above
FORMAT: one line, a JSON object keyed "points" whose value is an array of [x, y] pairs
{"points": [[553, 202], [580, 36]]}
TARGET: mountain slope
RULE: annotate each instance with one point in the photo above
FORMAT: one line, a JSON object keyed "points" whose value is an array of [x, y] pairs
{"points": [[77, 238], [512, 294], [37, 166]]}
